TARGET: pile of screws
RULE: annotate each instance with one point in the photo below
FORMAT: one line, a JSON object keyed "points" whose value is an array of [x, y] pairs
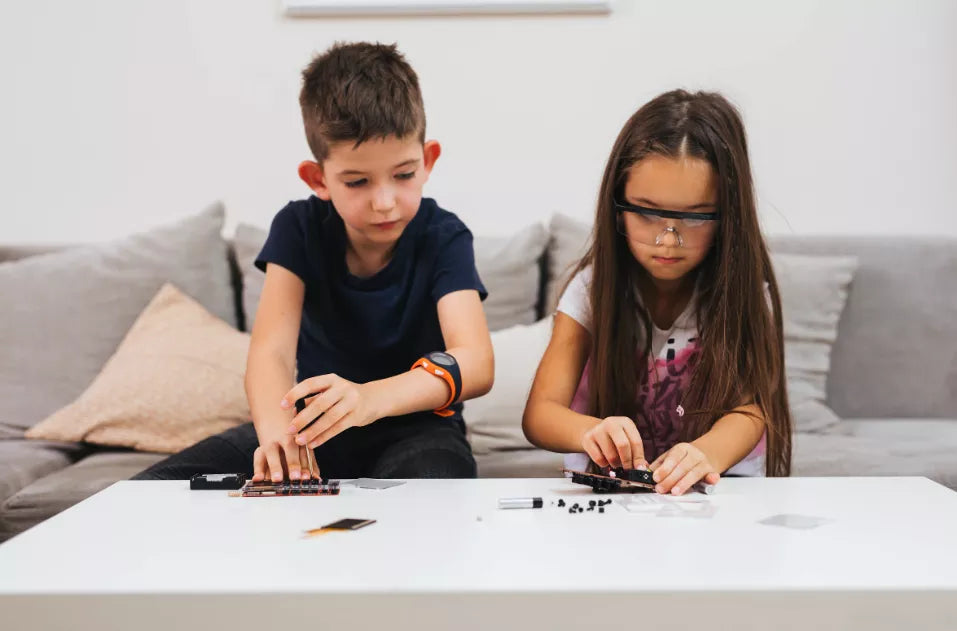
{"points": [[592, 505]]}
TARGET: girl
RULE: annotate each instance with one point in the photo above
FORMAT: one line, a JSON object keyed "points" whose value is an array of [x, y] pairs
{"points": [[667, 344]]}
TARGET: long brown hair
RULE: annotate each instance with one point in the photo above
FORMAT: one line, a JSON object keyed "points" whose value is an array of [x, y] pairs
{"points": [[741, 357]]}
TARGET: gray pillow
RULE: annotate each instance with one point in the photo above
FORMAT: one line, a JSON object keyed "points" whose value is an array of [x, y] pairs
{"points": [[508, 266], [68, 311], [511, 271], [567, 244], [247, 244], [813, 294]]}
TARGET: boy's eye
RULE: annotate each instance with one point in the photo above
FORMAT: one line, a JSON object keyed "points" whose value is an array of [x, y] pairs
{"points": [[356, 183], [405, 176]]}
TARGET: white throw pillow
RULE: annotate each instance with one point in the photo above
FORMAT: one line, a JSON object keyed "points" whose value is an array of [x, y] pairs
{"points": [[494, 421]]}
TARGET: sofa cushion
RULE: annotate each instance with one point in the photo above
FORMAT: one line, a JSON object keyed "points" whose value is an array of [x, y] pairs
{"points": [[508, 266], [494, 421], [60, 490], [72, 308], [887, 447], [176, 379], [24, 461], [520, 463]]}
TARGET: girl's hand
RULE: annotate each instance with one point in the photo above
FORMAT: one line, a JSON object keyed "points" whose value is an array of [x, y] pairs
{"points": [[679, 468], [615, 442], [337, 405]]}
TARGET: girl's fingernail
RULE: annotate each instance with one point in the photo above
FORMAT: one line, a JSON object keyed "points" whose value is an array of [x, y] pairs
{"points": [[292, 429], [283, 404], [301, 440], [676, 490], [659, 489]]}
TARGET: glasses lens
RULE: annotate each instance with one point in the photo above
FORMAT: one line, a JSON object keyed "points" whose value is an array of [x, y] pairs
{"points": [[653, 230]]}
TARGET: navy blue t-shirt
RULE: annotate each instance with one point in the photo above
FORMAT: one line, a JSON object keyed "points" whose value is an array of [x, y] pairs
{"points": [[364, 329]]}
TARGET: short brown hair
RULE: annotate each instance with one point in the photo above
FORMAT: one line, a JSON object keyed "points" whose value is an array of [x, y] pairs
{"points": [[357, 92]]}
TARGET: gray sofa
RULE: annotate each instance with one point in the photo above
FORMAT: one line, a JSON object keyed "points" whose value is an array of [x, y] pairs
{"points": [[893, 377]]}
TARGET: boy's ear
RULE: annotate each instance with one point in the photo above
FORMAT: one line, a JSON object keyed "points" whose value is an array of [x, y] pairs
{"points": [[431, 151], [312, 174]]}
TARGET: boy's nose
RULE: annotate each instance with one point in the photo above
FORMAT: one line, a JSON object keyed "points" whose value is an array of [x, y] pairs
{"points": [[383, 200]]}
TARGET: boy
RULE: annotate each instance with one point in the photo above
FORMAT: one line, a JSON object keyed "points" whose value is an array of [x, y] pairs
{"points": [[364, 280]]}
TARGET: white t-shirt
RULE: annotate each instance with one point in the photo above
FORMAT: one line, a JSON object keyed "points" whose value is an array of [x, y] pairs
{"points": [[669, 376]]}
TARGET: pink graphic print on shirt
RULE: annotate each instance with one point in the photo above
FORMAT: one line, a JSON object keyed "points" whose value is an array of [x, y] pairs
{"points": [[660, 421]]}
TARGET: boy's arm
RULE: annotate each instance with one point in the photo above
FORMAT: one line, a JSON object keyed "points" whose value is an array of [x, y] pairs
{"points": [[466, 335], [270, 368], [343, 404]]}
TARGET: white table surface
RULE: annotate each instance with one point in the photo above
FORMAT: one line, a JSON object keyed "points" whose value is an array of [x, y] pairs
{"points": [[442, 552]]}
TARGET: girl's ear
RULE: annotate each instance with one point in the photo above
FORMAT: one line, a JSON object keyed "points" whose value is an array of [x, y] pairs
{"points": [[312, 174], [431, 151]]}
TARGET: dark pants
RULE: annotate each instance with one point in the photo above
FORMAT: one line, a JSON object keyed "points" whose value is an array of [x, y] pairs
{"points": [[413, 446]]}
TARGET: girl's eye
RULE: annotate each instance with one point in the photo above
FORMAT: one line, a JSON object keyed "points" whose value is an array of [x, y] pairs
{"points": [[356, 183], [693, 223], [405, 176]]}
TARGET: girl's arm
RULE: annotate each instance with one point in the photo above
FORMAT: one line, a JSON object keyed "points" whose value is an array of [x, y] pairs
{"points": [[551, 424], [732, 437], [548, 421], [729, 440], [270, 367]]}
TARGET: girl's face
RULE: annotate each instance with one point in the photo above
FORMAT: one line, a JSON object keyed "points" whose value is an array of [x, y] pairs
{"points": [[669, 248]]}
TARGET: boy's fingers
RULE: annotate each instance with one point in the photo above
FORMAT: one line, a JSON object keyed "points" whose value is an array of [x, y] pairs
{"points": [[315, 409], [323, 423], [304, 463], [259, 465], [332, 432], [293, 468], [274, 462], [305, 388]]}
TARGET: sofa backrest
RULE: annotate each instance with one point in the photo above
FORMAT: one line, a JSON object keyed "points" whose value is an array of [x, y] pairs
{"points": [[896, 349]]}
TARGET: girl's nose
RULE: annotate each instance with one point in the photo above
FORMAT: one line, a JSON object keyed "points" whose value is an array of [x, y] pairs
{"points": [[669, 237]]}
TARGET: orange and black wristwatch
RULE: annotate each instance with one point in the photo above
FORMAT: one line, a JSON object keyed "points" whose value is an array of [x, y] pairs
{"points": [[443, 366]]}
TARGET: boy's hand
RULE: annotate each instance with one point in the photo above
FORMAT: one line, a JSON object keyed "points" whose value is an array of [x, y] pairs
{"points": [[338, 404], [679, 468], [278, 457], [615, 442]]}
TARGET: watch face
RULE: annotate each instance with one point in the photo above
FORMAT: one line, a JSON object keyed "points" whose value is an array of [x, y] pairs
{"points": [[440, 358]]}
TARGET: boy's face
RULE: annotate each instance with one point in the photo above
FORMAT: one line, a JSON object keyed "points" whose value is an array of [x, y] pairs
{"points": [[375, 187]]}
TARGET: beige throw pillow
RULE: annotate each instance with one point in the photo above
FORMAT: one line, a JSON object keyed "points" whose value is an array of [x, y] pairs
{"points": [[176, 379]]}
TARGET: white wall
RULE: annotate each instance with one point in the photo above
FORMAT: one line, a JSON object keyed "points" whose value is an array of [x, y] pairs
{"points": [[117, 115]]}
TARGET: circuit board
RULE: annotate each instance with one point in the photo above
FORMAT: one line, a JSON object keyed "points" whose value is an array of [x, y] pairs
{"points": [[287, 488], [615, 480]]}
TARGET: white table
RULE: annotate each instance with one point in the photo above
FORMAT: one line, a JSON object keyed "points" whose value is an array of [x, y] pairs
{"points": [[154, 555]]}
